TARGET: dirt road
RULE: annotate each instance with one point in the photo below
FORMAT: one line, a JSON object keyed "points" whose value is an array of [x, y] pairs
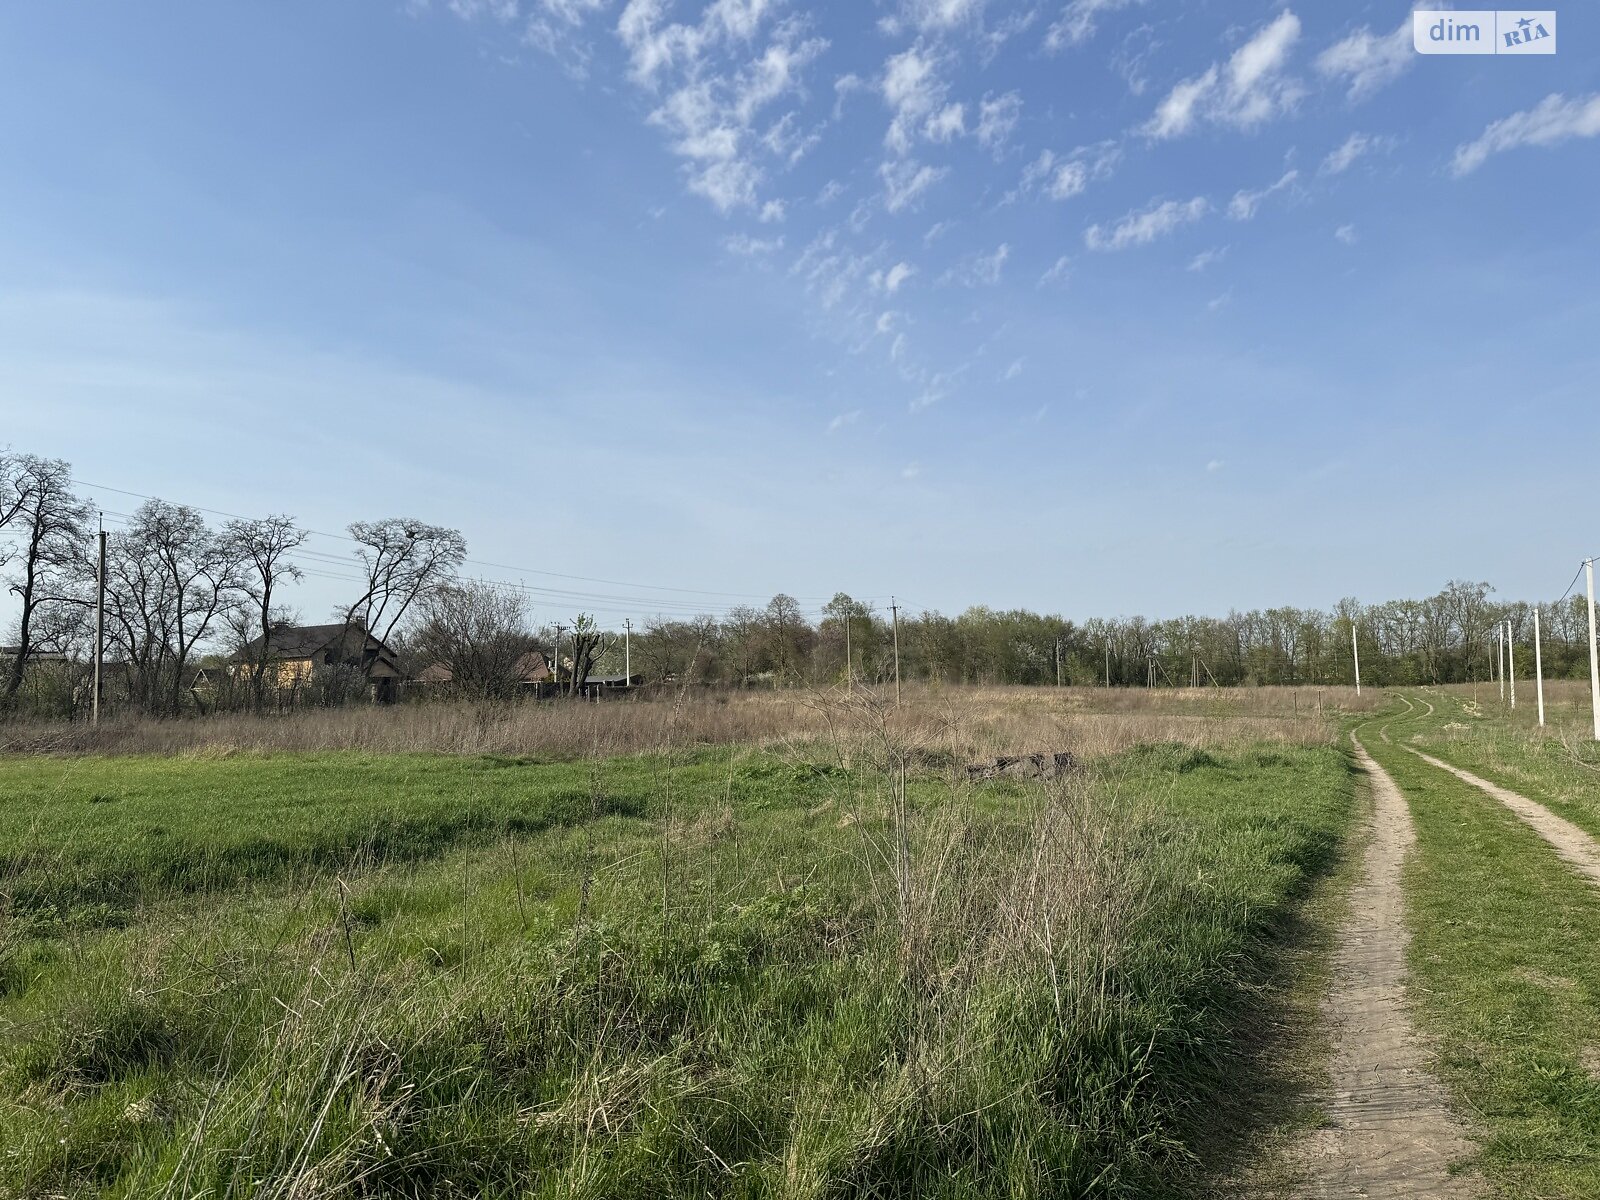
{"points": [[1389, 1130]]}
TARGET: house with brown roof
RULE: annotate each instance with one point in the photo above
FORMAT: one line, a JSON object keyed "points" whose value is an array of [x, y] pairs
{"points": [[297, 655]]}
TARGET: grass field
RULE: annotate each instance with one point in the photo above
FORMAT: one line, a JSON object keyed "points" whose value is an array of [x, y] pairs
{"points": [[1505, 962], [818, 965]]}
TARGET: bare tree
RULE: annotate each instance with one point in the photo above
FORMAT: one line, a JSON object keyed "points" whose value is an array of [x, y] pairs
{"points": [[262, 548], [169, 579], [479, 634], [403, 561], [37, 501]]}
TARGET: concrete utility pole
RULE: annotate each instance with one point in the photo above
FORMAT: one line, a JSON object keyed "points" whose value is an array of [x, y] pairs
{"points": [[99, 625], [627, 652], [895, 609], [1594, 654], [1500, 658], [1355, 650], [1511, 664], [1538, 664], [849, 679], [555, 661]]}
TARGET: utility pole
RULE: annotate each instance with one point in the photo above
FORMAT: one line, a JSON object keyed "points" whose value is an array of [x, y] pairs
{"points": [[1500, 658], [1538, 664], [555, 661], [1108, 666], [99, 624], [1511, 662], [895, 609], [1594, 654], [1058, 662], [849, 679], [627, 652], [1355, 650]]}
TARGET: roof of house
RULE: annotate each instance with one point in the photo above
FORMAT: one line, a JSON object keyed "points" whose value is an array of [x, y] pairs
{"points": [[303, 641], [531, 668]]}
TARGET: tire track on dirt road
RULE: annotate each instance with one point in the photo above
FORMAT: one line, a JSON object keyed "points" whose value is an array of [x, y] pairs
{"points": [[1389, 1130], [1575, 847]]}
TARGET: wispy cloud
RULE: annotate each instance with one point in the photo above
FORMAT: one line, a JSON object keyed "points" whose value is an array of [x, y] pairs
{"points": [[1368, 61], [1347, 234], [1143, 226], [1245, 204], [997, 119], [1079, 20], [745, 246], [1058, 273], [1354, 147], [1207, 258], [1061, 178], [844, 419], [979, 270], [710, 105], [1015, 369], [1554, 120], [892, 280], [1248, 90], [906, 180]]}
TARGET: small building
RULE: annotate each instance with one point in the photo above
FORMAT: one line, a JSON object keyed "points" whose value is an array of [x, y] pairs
{"points": [[297, 655], [532, 670]]}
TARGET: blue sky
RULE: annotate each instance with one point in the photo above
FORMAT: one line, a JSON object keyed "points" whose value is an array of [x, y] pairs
{"points": [[1094, 307]]}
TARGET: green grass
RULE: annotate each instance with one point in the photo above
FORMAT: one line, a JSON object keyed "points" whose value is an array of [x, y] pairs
{"points": [[1505, 976], [1510, 750], [704, 976]]}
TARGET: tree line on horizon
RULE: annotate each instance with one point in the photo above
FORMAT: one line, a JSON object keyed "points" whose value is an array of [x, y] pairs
{"points": [[182, 592]]}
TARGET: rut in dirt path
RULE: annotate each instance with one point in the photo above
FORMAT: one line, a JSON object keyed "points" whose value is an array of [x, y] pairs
{"points": [[1573, 845], [1389, 1129]]}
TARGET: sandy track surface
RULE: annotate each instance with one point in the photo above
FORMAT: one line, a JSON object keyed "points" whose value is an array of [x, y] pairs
{"points": [[1389, 1130], [1575, 847]]}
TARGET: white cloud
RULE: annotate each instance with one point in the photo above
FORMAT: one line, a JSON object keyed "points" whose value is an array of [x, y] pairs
{"points": [[1143, 226], [904, 182], [979, 270], [1216, 464], [746, 246], [1553, 120], [1057, 273], [773, 211], [1014, 370], [843, 419], [1062, 178], [912, 470], [1347, 234], [711, 112], [1356, 146], [1208, 258], [1244, 204], [830, 192], [893, 279], [1079, 20], [912, 89], [948, 123], [1248, 90], [886, 322], [997, 118], [1369, 61], [936, 16], [936, 231], [1220, 301]]}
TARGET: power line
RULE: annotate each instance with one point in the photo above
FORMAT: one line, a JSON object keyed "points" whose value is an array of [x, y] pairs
{"points": [[656, 587]]}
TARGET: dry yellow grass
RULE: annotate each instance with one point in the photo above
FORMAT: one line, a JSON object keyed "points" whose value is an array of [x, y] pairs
{"points": [[957, 721]]}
